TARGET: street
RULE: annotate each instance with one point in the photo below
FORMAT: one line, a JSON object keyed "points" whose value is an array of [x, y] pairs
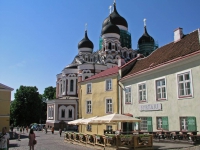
{"points": [[51, 141]]}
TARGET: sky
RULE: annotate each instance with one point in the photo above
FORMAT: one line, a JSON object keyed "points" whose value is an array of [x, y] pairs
{"points": [[39, 38]]}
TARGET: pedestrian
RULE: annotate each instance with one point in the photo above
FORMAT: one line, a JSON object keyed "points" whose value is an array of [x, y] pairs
{"points": [[31, 139], [52, 130], [20, 129], [23, 129], [46, 130], [60, 131], [4, 140], [27, 129]]}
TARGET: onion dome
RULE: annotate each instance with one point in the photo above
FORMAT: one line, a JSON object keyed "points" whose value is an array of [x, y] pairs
{"points": [[110, 28], [145, 38], [85, 42], [117, 19]]}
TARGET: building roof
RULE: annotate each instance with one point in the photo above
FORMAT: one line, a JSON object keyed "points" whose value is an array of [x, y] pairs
{"points": [[107, 72], [85, 42], [4, 87], [166, 54]]}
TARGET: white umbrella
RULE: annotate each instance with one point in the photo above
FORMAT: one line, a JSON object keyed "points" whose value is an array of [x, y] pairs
{"points": [[75, 122], [113, 118], [86, 121]]}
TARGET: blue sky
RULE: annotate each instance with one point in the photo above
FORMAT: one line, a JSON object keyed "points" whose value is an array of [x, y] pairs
{"points": [[39, 38]]}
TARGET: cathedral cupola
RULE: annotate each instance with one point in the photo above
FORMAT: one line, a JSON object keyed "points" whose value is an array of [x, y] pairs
{"points": [[146, 43], [116, 19], [110, 28], [145, 38], [85, 45]]}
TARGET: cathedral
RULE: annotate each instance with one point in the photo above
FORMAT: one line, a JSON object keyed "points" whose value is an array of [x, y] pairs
{"points": [[114, 47]]}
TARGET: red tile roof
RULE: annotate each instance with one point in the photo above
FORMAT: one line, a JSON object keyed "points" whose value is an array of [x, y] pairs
{"points": [[189, 44], [107, 72]]}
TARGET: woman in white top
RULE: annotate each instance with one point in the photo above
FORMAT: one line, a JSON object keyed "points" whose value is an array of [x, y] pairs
{"points": [[4, 139]]}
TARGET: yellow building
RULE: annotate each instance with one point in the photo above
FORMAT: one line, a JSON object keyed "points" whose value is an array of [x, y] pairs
{"points": [[98, 96], [5, 98]]}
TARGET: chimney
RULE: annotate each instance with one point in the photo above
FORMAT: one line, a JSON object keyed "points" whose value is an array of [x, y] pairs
{"points": [[178, 34]]}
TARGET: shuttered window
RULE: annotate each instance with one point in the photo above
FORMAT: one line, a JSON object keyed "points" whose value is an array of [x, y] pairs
{"points": [[188, 123], [162, 123], [145, 124]]}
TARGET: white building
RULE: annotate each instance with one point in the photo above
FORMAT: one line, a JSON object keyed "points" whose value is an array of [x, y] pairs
{"points": [[163, 88]]}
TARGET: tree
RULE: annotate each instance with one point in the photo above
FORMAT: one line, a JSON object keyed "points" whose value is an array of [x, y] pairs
{"points": [[27, 106], [49, 93]]}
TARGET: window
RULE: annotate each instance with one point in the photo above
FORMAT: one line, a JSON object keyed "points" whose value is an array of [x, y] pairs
{"points": [[188, 124], [70, 113], [89, 107], [184, 85], [108, 127], [89, 88], [108, 85], [128, 95], [146, 124], [142, 92], [108, 105], [89, 128], [160, 89], [116, 46], [109, 46], [71, 85], [64, 85], [61, 88], [63, 113], [162, 123]]}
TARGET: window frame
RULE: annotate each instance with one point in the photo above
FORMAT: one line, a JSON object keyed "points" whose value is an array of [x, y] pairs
{"points": [[180, 119], [161, 123], [142, 122], [191, 84], [110, 89], [156, 92], [89, 127], [129, 95], [87, 112], [107, 103], [89, 91], [138, 91]]}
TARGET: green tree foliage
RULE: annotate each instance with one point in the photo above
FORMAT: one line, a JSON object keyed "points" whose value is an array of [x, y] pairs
{"points": [[27, 106], [49, 93]]}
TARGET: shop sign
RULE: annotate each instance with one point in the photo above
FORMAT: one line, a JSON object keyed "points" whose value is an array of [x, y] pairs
{"points": [[150, 107]]}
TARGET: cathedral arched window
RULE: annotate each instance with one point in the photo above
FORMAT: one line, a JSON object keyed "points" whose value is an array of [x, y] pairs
{"points": [[125, 54], [64, 85], [71, 85], [63, 113], [86, 77], [60, 88], [116, 46], [109, 46], [130, 55], [70, 113]]}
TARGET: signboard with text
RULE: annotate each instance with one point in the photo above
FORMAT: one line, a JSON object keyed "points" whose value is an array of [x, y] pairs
{"points": [[150, 107]]}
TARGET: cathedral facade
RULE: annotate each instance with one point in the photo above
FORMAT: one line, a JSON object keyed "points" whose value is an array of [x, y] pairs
{"points": [[114, 47]]}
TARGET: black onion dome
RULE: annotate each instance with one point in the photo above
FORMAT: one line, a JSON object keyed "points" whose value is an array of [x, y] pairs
{"points": [[116, 19], [110, 28], [145, 38], [85, 42]]}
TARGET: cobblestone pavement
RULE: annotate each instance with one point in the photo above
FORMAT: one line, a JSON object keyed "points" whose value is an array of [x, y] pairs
{"points": [[47, 141], [51, 141]]}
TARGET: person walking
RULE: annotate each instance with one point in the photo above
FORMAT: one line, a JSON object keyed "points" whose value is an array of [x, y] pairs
{"points": [[52, 130], [60, 131], [4, 140], [27, 129], [23, 129], [31, 139]]}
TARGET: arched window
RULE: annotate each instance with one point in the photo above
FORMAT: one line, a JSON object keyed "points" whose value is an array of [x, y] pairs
{"points": [[71, 85], [130, 55], [125, 54], [109, 46], [63, 113], [86, 77], [116, 46], [61, 88], [64, 85], [70, 113]]}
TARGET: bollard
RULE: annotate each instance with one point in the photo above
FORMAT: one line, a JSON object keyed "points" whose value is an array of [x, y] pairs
{"points": [[18, 137]]}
